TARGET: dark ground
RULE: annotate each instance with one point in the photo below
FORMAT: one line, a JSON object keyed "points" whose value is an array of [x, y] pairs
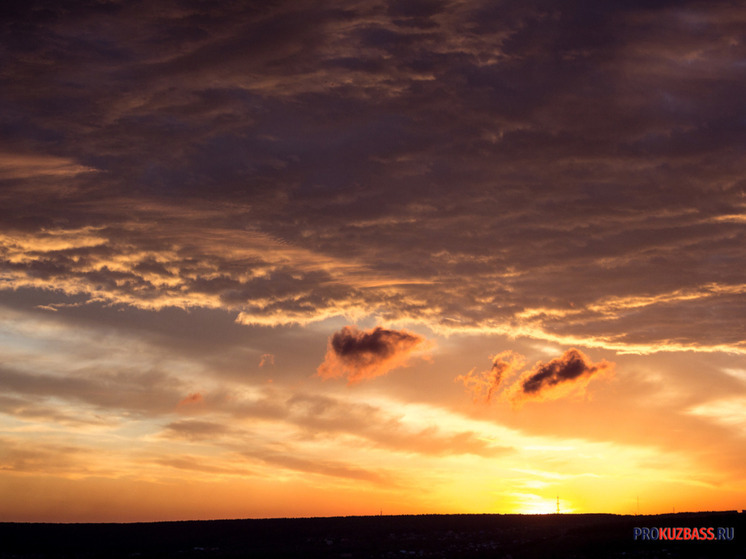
{"points": [[436, 536]]}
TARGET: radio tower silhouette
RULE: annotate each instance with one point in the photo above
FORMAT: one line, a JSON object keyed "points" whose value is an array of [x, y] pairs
{"points": [[557, 504]]}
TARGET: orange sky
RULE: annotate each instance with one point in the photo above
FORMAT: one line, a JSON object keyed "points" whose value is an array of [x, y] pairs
{"points": [[401, 256]]}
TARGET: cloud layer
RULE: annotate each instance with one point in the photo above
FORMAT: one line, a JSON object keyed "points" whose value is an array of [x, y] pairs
{"points": [[290, 163]]}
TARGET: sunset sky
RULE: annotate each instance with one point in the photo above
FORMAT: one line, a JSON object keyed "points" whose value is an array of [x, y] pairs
{"points": [[305, 258]]}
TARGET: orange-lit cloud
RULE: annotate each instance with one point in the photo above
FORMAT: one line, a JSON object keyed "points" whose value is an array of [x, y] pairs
{"points": [[366, 354], [194, 399], [266, 359], [25, 166], [560, 377], [484, 384], [568, 374]]}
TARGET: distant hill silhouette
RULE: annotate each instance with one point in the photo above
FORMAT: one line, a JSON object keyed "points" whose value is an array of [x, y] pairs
{"points": [[576, 536]]}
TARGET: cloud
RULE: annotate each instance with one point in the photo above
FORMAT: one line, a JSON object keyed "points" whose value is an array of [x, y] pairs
{"points": [[560, 377], [367, 354], [26, 166], [148, 393], [484, 384], [322, 415], [195, 399], [19, 455], [33, 408], [331, 468], [729, 412], [267, 359], [195, 430], [199, 464], [275, 195]]}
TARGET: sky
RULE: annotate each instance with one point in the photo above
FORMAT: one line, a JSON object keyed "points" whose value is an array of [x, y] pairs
{"points": [[302, 258]]}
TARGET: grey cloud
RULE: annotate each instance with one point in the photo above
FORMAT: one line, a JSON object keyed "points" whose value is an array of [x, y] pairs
{"points": [[323, 467], [27, 407], [196, 430], [323, 415], [571, 366], [415, 8], [317, 416], [148, 393], [199, 464], [355, 347], [497, 155]]}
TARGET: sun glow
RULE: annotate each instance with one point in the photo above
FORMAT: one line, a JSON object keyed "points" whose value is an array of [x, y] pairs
{"points": [[530, 503]]}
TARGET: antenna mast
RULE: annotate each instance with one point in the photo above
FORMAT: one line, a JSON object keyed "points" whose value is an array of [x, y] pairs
{"points": [[558, 504]]}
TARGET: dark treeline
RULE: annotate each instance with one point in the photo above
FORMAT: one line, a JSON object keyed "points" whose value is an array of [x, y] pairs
{"points": [[441, 536]]}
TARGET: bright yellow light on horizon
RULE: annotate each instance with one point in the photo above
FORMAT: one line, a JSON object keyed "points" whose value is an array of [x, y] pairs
{"points": [[530, 503]]}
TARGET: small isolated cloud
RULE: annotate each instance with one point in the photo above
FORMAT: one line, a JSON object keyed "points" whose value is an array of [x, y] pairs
{"points": [[364, 354], [565, 375], [560, 377], [267, 359], [484, 384], [192, 400]]}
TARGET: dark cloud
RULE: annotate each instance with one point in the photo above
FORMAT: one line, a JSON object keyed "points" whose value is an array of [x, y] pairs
{"points": [[587, 140], [358, 347], [415, 8], [366, 354], [549, 380]]}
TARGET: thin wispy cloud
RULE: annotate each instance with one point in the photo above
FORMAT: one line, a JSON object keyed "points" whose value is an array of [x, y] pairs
{"points": [[485, 384]]}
